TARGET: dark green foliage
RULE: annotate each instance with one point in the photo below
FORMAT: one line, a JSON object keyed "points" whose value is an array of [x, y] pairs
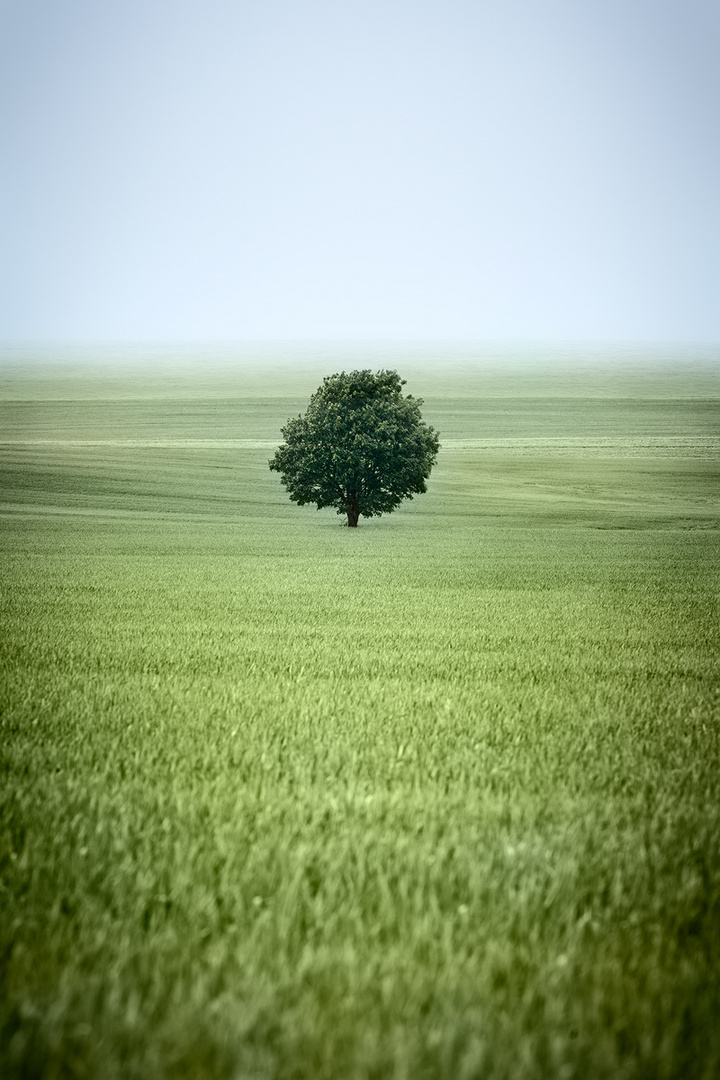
{"points": [[361, 446]]}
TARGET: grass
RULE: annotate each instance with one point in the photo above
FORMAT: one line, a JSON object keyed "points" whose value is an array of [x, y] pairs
{"points": [[433, 798]]}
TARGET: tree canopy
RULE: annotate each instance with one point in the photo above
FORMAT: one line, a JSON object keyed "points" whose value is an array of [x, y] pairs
{"points": [[361, 446]]}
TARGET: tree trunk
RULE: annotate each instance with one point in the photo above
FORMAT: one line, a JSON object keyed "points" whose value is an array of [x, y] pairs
{"points": [[353, 513]]}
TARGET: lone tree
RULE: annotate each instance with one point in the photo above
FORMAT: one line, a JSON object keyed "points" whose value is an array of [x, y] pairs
{"points": [[361, 446]]}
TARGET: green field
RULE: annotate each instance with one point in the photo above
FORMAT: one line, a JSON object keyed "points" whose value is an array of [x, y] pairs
{"points": [[433, 798]]}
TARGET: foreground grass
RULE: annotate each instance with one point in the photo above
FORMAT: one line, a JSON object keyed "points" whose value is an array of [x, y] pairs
{"points": [[436, 798]]}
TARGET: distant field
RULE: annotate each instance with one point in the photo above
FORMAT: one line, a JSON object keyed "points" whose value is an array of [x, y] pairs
{"points": [[433, 798]]}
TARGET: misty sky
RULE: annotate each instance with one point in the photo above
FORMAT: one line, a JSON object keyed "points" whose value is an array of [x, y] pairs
{"points": [[360, 169]]}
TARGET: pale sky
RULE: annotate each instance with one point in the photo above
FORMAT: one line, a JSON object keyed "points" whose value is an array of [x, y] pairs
{"points": [[445, 170]]}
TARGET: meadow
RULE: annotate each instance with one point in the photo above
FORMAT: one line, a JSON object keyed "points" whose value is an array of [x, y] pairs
{"points": [[433, 799]]}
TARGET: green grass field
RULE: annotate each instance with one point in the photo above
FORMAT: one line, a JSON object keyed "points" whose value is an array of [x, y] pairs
{"points": [[433, 798]]}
